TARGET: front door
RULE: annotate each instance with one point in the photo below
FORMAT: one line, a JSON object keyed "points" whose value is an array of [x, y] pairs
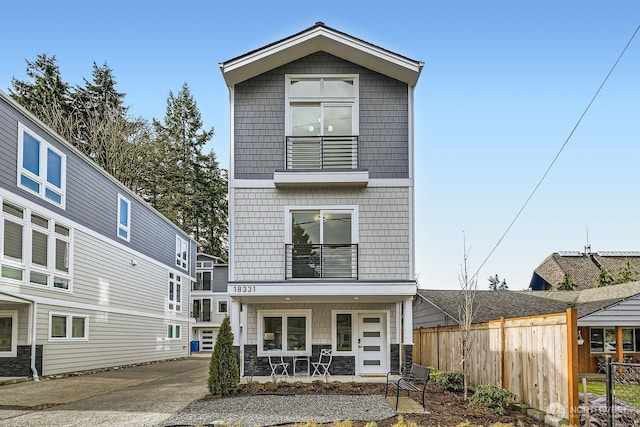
{"points": [[207, 339], [372, 343]]}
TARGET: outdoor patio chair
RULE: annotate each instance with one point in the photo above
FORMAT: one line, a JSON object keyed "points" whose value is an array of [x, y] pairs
{"points": [[278, 363], [321, 367]]}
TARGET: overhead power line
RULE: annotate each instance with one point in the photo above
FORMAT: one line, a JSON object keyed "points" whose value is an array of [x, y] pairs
{"points": [[566, 141]]}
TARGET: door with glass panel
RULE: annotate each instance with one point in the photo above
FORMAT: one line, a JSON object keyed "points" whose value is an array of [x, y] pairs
{"points": [[372, 347], [322, 245]]}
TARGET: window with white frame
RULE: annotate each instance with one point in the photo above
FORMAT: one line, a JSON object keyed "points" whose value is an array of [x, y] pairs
{"points": [[286, 331], [223, 306], [72, 327], [124, 217], [321, 120], [8, 333], [322, 243], [202, 309], [343, 339], [41, 167], [173, 331], [34, 248], [182, 253], [175, 292]]}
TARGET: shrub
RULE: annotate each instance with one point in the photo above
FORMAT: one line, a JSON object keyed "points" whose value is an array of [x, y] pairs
{"points": [[495, 398], [224, 376], [448, 380]]}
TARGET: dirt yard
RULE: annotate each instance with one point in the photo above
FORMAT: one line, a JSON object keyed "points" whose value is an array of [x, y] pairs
{"points": [[445, 409]]}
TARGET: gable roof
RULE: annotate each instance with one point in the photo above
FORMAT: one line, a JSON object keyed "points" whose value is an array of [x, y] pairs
{"points": [[320, 37], [493, 305], [584, 268]]}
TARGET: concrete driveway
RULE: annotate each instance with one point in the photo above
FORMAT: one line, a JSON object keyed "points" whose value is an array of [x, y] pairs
{"points": [[144, 395]]}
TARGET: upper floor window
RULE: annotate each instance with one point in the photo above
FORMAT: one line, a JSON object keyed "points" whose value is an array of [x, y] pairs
{"points": [[34, 248], [322, 243], [41, 167], [204, 281], [175, 292], [182, 253], [321, 121], [124, 217]]}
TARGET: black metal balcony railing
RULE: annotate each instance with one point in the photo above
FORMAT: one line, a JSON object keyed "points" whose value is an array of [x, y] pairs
{"points": [[322, 152], [201, 286], [203, 316], [305, 261]]}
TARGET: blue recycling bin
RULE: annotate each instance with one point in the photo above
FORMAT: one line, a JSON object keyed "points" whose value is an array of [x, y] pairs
{"points": [[195, 346]]}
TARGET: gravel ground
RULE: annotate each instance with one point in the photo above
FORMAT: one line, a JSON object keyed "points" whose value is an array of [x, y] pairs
{"points": [[269, 410]]}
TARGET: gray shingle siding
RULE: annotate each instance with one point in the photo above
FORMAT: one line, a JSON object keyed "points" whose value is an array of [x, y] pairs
{"points": [[259, 109], [92, 198]]}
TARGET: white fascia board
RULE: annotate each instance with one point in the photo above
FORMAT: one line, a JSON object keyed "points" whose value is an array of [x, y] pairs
{"points": [[285, 178], [268, 183], [321, 39], [298, 288]]}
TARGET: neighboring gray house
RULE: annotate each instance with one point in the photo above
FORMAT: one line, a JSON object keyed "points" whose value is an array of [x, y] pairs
{"points": [[209, 300], [90, 275], [321, 202], [583, 268]]}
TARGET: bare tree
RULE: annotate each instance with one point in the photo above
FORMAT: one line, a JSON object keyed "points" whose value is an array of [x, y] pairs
{"points": [[466, 312]]}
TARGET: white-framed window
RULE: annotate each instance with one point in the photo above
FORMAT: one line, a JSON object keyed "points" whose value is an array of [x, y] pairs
{"points": [[321, 121], [41, 167], [204, 281], [124, 217], [8, 333], [173, 331], [68, 327], [342, 331], [175, 292], [284, 332], [223, 306], [322, 242], [182, 253], [34, 249], [202, 309]]}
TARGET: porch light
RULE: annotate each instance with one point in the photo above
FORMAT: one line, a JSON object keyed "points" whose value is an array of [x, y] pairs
{"points": [[580, 339]]}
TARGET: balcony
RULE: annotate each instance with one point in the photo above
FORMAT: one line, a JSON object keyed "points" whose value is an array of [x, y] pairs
{"points": [[328, 261], [202, 316], [323, 160]]}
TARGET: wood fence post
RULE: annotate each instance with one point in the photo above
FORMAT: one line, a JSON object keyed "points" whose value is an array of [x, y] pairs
{"points": [[572, 368], [503, 381]]}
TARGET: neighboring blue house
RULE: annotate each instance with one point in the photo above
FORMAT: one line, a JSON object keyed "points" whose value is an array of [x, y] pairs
{"points": [[90, 275], [321, 202]]}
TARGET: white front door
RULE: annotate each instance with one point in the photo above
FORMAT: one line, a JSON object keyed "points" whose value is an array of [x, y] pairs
{"points": [[207, 339], [372, 347]]}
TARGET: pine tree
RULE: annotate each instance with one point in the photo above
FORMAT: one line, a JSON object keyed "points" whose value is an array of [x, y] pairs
{"points": [[626, 274], [223, 369], [496, 285], [604, 279], [567, 283]]}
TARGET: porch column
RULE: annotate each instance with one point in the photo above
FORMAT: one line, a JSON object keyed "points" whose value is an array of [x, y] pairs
{"points": [[235, 321], [407, 322]]}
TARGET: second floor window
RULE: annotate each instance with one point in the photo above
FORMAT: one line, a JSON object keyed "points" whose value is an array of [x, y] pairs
{"points": [[175, 292], [124, 217], [41, 168], [34, 248], [204, 280], [182, 253]]}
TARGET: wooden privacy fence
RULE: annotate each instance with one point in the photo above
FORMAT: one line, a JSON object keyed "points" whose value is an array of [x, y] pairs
{"points": [[533, 357]]}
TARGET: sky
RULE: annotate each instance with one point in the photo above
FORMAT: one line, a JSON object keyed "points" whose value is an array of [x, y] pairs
{"points": [[503, 86]]}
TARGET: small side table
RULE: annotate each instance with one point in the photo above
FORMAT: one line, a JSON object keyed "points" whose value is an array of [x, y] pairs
{"points": [[296, 359]]}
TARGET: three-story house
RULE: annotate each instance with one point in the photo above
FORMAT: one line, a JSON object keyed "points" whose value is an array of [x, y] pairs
{"points": [[321, 198]]}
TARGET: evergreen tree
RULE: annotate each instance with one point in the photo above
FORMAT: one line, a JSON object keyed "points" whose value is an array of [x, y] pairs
{"points": [[223, 368], [567, 283], [47, 96], [626, 274], [496, 285], [604, 279]]}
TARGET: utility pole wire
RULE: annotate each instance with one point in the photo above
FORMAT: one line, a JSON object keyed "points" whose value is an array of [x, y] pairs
{"points": [[558, 154]]}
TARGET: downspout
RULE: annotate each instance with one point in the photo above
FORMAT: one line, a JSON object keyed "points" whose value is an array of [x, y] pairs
{"points": [[34, 311]]}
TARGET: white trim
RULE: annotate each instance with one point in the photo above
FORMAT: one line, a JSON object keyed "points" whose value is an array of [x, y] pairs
{"points": [[41, 178], [13, 314], [284, 313], [16, 199], [126, 228], [270, 183], [176, 331], [294, 178], [412, 213], [69, 326], [334, 330], [218, 301]]}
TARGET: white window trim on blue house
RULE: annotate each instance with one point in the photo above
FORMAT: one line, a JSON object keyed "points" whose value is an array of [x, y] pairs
{"points": [[40, 176], [182, 253], [124, 218]]}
